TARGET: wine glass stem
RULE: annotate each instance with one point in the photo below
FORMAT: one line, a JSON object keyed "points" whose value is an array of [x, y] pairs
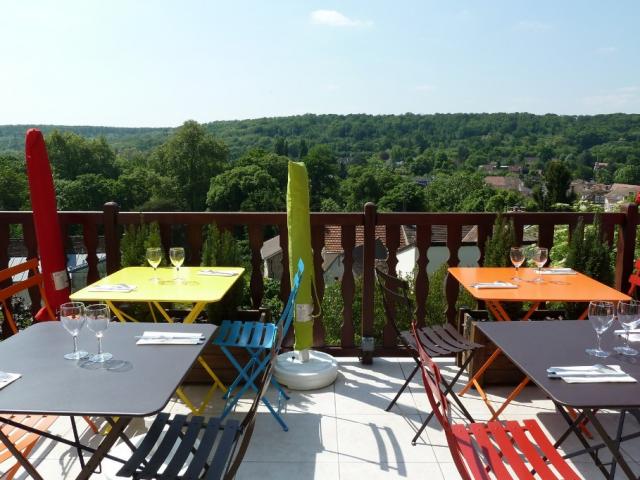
{"points": [[598, 336], [626, 340], [100, 345], [75, 343]]}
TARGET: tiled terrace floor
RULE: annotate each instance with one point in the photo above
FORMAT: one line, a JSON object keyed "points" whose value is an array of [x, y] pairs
{"points": [[343, 432]]}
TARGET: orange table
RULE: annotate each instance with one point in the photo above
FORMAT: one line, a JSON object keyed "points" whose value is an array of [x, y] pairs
{"points": [[556, 288]]}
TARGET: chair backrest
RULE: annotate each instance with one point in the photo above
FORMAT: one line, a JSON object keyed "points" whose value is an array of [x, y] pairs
{"points": [[284, 322], [431, 378], [634, 279], [34, 279], [395, 299]]}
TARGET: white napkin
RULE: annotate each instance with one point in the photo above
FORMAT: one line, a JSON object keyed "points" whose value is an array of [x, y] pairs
{"points": [[591, 374], [634, 334], [114, 287], [6, 378], [557, 271], [170, 338], [494, 285], [217, 273]]}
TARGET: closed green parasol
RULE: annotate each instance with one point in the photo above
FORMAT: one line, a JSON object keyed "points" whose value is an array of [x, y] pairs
{"points": [[303, 369], [299, 229]]}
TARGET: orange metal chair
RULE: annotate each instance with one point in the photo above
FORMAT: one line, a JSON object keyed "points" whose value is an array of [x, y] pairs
{"points": [[34, 280], [24, 441], [493, 450]]}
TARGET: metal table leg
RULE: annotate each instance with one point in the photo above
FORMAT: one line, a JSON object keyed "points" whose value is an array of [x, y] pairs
{"points": [[116, 430]]}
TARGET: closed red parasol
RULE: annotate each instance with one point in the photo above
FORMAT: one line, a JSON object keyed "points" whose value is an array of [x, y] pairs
{"points": [[45, 218]]}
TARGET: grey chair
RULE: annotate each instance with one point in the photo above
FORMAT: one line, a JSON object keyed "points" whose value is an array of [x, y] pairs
{"points": [[437, 340]]}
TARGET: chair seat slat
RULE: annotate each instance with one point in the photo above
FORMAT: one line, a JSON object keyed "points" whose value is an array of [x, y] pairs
{"points": [[145, 446], [491, 454], [166, 445], [549, 450], [223, 451], [207, 442], [182, 453], [470, 455], [532, 455], [505, 444]]}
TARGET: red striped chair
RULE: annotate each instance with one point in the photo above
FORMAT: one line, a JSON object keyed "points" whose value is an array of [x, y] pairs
{"points": [[493, 450]]}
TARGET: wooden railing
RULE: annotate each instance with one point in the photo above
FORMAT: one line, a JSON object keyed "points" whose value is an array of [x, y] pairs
{"points": [[109, 224]]}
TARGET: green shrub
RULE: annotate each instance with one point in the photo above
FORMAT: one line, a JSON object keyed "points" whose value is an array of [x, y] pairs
{"points": [[499, 243], [589, 254], [221, 249], [135, 241]]}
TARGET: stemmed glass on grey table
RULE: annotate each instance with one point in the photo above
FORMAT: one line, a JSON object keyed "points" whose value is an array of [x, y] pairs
{"points": [[629, 318], [601, 315], [98, 316], [72, 317]]}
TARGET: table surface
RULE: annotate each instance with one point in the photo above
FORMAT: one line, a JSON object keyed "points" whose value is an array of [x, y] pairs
{"points": [[194, 289], [51, 384], [558, 288], [534, 346]]}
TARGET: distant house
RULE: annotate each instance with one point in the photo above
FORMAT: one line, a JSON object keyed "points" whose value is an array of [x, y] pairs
{"points": [[600, 165], [407, 255], [590, 191], [618, 194], [508, 182], [489, 168]]}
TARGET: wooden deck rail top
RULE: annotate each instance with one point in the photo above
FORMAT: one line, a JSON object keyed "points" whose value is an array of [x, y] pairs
{"points": [[620, 227]]}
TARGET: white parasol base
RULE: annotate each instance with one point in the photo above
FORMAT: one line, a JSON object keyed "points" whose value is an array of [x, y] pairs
{"points": [[321, 370]]}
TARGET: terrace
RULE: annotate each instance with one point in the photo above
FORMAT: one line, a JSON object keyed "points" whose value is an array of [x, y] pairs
{"points": [[341, 431]]}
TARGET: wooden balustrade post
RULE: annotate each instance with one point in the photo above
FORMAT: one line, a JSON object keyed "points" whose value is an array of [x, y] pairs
{"points": [[111, 236], [368, 280], [626, 246]]}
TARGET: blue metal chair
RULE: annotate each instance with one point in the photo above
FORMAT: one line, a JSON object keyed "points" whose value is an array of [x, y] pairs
{"points": [[261, 340]]}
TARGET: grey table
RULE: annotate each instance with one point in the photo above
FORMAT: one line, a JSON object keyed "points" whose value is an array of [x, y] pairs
{"points": [[535, 346], [51, 385]]}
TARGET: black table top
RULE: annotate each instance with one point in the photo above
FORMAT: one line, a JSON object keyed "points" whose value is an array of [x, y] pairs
{"points": [[52, 385], [537, 345]]}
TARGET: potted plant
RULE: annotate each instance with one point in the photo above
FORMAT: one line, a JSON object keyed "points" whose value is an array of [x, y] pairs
{"points": [[590, 254]]}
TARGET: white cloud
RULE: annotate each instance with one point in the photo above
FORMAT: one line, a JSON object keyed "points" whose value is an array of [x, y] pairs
{"points": [[333, 18], [606, 50], [618, 98], [532, 26]]}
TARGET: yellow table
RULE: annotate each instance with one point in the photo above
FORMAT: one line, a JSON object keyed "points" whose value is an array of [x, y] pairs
{"points": [[192, 288]]}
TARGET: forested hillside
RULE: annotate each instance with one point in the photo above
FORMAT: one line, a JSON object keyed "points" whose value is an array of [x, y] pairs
{"points": [[402, 162]]}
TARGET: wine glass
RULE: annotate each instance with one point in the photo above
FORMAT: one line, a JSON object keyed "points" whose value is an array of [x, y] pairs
{"points": [[539, 257], [98, 316], [154, 257], [176, 254], [72, 319], [601, 316], [517, 259], [629, 318]]}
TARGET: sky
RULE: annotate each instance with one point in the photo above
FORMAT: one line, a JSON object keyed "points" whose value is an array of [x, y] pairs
{"points": [[158, 63]]}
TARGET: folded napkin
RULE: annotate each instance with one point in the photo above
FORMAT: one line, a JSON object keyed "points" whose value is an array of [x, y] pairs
{"points": [[591, 374], [6, 378], [170, 338], [634, 334], [113, 287], [494, 285], [217, 273], [557, 271]]}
